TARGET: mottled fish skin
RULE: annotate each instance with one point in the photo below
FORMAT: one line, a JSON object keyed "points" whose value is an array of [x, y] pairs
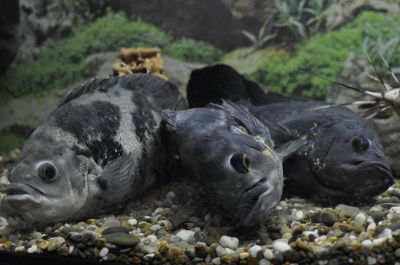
{"points": [[343, 159], [103, 144], [231, 153]]}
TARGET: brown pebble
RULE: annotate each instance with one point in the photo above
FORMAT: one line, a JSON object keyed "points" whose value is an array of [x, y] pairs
{"points": [[251, 261], [7, 245], [43, 245]]}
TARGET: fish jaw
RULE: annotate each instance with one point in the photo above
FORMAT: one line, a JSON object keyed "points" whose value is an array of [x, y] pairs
{"points": [[259, 201], [377, 177], [19, 193], [24, 201]]}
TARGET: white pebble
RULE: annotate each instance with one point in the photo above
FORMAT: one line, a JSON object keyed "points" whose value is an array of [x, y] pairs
{"points": [[299, 214], [170, 195], [281, 246], [371, 260], [155, 227], [20, 249], [71, 248], [216, 261], [371, 227], [378, 241], [254, 250], [386, 233], [185, 234], [32, 249], [229, 242], [264, 262], [268, 254], [321, 239], [132, 221], [361, 218], [395, 209], [103, 252], [367, 243]]}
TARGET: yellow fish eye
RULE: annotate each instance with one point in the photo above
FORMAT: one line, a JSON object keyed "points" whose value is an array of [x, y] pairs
{"points": [[241, 162]]}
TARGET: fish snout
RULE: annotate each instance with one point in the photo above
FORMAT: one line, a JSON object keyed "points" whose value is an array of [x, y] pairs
{"points": [[21, 192], [257, 202]]}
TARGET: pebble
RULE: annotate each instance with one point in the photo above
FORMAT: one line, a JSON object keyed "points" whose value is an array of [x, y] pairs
{"points": [[229, 242], [185, 234], [32, 249], [268, 254], [132, 221], [281, 246], [254, 250], [361, 218], [103, 252], [122, 239], [111, 223]]}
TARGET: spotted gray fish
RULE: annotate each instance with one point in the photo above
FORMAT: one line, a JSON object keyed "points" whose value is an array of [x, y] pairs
{"points": [[343, 159], [231, 153], [102, 145]]}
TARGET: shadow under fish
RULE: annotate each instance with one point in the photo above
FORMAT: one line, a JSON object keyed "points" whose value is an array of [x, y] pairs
{"points": [[343, 158], [102, 145], [232, 155]]}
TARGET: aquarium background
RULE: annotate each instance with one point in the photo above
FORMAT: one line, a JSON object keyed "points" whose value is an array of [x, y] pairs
{"points": [[47, 47]]}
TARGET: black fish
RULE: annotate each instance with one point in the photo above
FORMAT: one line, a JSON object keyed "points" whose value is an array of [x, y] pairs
{"points": [[103, 144], [343, 159], [232, 155]]}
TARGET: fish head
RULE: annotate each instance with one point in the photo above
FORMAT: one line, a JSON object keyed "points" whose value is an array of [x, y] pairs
{"points": [[48, 184], [349, 162], [240, 171]]}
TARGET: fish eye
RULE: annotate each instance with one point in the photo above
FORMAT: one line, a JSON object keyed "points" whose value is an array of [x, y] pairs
{"points": [[241, 162], [359, 143], [47, 171]]}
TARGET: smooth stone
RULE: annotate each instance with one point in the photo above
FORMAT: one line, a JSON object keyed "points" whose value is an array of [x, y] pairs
{"points": [[32, 249], [122, 239], [229, 242], [377, 216], [281, 246], [327, 218], [291, 256], [111, 223], [394, 226], [361, 218], [116, 229], [254, 250], [350, 211], [103, 252], [185, 234], [132, 221], [178, 221], [268, 254]]}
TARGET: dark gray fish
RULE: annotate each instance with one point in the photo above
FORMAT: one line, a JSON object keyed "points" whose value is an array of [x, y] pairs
{"points": [[343, 159], [102, 145], [231, 153]]}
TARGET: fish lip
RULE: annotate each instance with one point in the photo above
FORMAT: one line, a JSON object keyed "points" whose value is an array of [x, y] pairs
{"points": [[22, 192], [250, 197], [368, 166]]}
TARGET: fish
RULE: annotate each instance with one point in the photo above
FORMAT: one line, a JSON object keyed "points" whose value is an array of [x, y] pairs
{"points": [[343, 160], [231, 154], [102, 145]]}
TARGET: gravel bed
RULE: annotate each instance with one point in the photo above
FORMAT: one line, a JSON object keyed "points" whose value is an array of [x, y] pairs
{"points": [[176, 223]]}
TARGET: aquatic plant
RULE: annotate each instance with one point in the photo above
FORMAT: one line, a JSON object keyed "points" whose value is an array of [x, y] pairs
{"points": [[193, 51], [304, 18], [263, 36], [61, 63], [324, 55]]}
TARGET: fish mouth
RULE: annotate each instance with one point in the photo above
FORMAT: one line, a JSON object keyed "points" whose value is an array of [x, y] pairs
{"points": [[250, 198], [23, 192], [378, 177]]}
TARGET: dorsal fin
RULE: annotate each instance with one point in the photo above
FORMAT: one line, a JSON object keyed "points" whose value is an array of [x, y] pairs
{"points": [[163, 92], [85, 88]]}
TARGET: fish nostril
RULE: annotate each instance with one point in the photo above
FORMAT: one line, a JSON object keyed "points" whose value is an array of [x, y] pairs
{"points": [[28, 176]]}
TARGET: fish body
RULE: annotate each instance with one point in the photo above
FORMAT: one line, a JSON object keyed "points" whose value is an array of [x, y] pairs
{"points": [[102, 145], [343, 158], [231, 154]]}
